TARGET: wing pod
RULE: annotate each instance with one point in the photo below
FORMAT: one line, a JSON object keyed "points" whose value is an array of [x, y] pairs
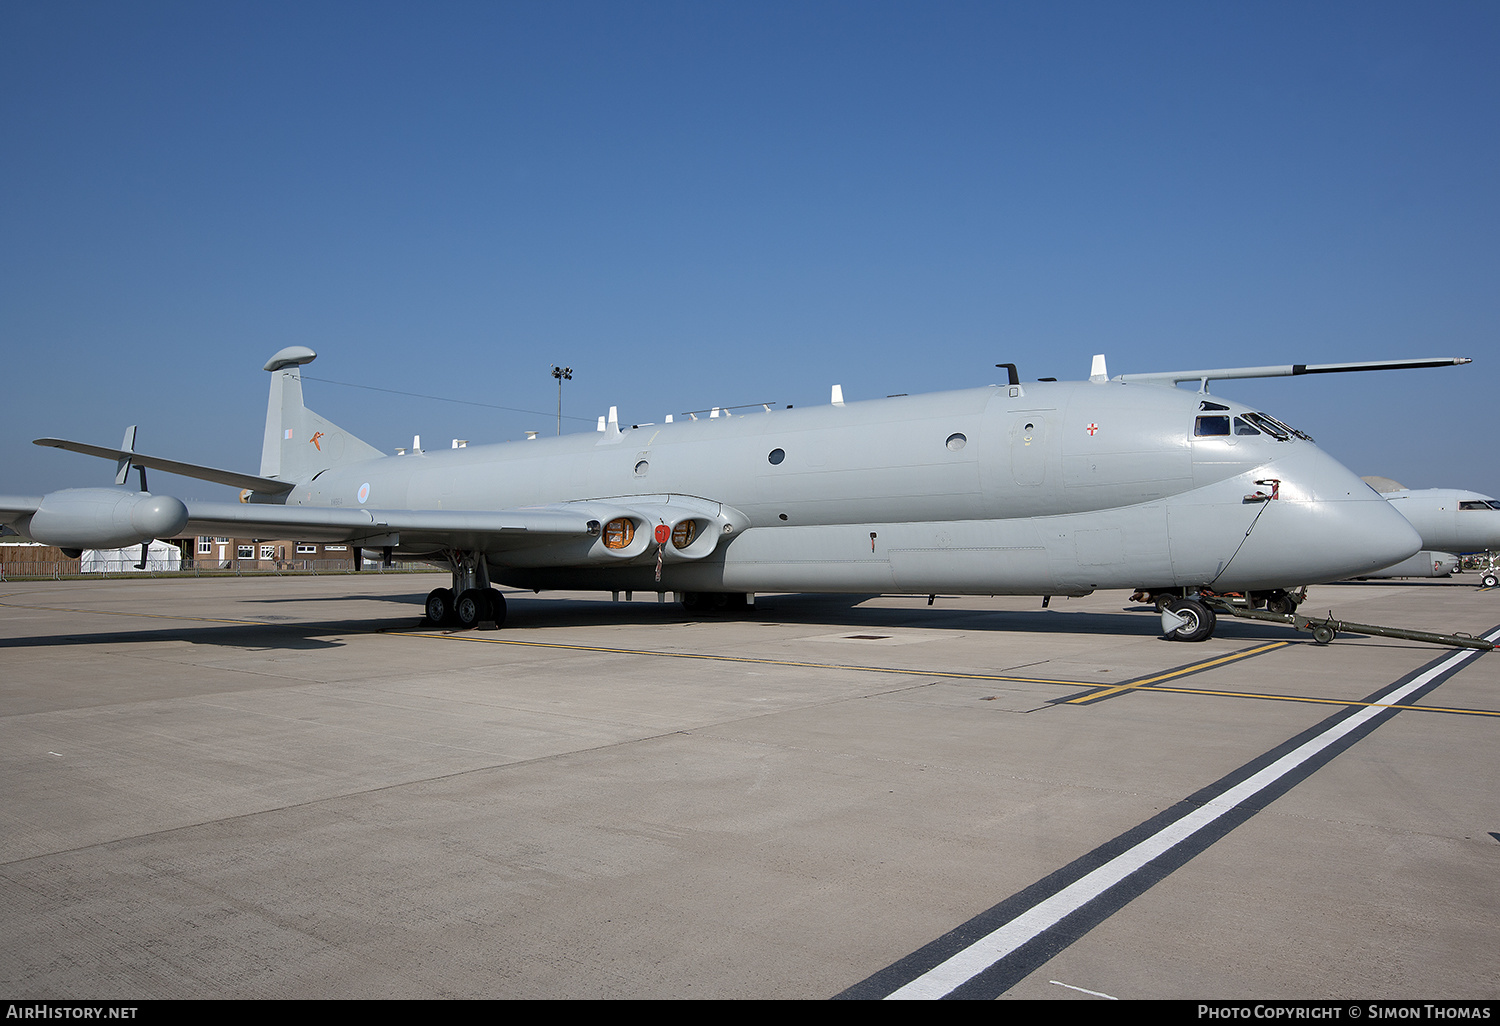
{"points": [[104, 518]]}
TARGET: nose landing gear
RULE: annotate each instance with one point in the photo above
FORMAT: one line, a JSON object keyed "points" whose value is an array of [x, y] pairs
{"points": [[1186, 619], [1189, 614]]}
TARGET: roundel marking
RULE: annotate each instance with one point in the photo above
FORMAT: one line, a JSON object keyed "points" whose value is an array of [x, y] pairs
{"points": [[364, 492]]}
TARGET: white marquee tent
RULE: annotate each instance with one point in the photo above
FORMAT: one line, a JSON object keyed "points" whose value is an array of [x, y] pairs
{"points": [[161, 556]]}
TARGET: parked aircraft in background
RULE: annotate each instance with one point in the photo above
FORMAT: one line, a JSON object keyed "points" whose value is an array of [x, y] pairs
{"points": [[1043, 488], [1451, 522]]}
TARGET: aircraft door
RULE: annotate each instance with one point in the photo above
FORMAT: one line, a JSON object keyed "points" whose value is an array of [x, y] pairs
{"points": [[1028, 448]]}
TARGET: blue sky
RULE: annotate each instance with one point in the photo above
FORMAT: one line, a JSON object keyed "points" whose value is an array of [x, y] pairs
{"points": [[700, 204]]}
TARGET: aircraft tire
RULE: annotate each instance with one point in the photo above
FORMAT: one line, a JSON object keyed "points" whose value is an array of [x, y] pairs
{"points": [[469, 609], [1201, 620], [1489, 581], [439, 606], [497, 607]]}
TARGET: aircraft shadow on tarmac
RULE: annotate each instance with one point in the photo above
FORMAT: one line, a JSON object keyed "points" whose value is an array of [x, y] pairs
{"points": [[411, 601], [1415, 582], [836, 612], [267, 636], [831, 612]]}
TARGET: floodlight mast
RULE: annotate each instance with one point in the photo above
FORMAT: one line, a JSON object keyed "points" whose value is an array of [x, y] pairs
{"points": [[561, 374]]}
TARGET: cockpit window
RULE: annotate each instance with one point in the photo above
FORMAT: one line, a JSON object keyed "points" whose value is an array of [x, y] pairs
{"points": [[1245, 424], [1270, 425], [1206, 405], [1275, 428], [1477, 504]]}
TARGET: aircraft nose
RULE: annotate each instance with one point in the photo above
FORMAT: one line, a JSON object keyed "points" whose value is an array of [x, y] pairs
{"points": [[1491, 532], [1315, 539]]}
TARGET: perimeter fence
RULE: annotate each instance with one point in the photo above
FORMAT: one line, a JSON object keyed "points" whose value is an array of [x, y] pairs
{"points": [[68, 569]]}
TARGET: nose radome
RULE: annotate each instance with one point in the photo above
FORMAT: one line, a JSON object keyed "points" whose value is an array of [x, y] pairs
{"points": [[1313, 542], [1356, 536], [1490, 532], [1325, 525]]}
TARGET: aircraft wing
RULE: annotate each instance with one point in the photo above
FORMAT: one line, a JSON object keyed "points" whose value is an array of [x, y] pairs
{"points": [[93, 517], [1288, 370], [461, 529], [560, 534], [13, 507]]}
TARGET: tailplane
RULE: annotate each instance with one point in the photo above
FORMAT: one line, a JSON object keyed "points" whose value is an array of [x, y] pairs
{"points": [[299, 443]]}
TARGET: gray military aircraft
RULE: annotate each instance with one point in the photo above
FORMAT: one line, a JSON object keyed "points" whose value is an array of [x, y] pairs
{"points": [[1451, 521], [1043, 488]]}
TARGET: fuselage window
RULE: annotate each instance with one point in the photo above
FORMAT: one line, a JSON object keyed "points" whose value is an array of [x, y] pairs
{"points": [[1210, 426], [957, 441], [776, 456]]}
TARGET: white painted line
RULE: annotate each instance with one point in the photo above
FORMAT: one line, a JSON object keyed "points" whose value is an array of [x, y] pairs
{"points": [[1081, 990], [947, 976]]}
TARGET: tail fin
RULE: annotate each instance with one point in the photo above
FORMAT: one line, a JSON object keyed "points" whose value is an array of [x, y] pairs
{"points": [[299, 443]]}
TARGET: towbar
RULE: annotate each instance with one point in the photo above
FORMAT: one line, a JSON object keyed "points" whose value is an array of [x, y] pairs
{"points": [[1323, 628]]}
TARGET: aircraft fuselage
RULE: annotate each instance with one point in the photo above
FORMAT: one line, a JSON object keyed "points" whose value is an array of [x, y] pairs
{"points": [[1047, 488]]}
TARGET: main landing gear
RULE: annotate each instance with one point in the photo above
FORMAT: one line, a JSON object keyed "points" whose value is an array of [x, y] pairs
{"points": [[471, 601], [472, 607]]}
